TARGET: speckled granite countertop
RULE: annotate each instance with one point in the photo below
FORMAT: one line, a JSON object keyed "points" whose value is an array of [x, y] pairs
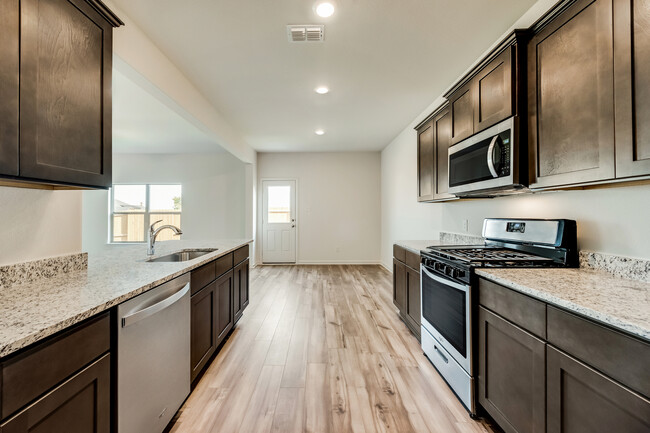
{"points": [[417, 246], [32, 311], [617, 302]]}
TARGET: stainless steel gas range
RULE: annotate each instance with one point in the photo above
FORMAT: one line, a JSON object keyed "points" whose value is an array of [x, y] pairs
{"points": [[449, 292]]}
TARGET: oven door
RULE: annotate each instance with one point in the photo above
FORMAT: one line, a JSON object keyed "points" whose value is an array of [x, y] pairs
{"points": [[446, 315]]}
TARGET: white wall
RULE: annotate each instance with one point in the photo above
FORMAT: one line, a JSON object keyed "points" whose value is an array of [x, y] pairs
{"points": [[35, 224], [138, 57], [214, 194], [338, 203]]}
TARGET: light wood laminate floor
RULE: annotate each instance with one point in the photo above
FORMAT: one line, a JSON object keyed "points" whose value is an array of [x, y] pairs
{"points": [[321, 349]]}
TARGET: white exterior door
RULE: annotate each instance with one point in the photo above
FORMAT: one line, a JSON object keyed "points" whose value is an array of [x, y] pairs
{"points": [[279, 221]]}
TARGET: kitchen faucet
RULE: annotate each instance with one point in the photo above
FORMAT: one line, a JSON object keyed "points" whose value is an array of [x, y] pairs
{"points": [[154, 232]]}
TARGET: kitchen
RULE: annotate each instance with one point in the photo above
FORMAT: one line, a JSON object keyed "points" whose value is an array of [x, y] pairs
{"points": [[232, 216]]}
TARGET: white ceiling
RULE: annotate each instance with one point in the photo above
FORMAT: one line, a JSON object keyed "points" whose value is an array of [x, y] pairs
{"points": [[384, 60], [144, 124]]}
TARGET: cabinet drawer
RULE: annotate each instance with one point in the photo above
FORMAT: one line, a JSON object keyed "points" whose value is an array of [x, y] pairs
{"points": [[240, 254], [36, 371], [617, 355], [202, 276], [224, 264], [520, 309], [412, 260], [399, 253]]}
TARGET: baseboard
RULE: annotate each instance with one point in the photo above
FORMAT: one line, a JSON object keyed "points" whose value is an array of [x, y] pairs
{"points": [[338, 262], [386, 267]]}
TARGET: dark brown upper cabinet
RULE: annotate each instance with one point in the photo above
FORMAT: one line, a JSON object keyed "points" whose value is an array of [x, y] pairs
{"points": [[442, 141], [426, 161], [55, 92], [492, 91], [571, 97], [9, 82], [632, 87], [461, 103], [434, 139]]}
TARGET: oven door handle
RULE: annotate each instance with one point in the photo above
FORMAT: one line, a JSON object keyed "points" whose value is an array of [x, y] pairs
{"points": [[463, 287]]}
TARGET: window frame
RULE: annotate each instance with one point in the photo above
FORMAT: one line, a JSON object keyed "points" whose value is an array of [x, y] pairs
{"points": [[147, 212]]}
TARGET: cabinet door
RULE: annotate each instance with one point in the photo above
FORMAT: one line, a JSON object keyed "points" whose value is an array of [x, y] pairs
{"points": [[442, 140], [425, 162], [581, 400], [632, 81], [9, 73], [81, 404], [493, 91], [65, 93], [224, 306], [244, 292], [413, 307], [571, 97], [399, 285], [511, 382], [240, 289], [203, 340], [461, 104]]}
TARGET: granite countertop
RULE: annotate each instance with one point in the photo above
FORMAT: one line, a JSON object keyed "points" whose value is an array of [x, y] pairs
{"points": [[617, 302], [417, 246], [32, 311]]}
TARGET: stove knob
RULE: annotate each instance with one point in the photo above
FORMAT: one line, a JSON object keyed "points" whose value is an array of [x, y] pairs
{"points": [[460, 274], [454, 273]]}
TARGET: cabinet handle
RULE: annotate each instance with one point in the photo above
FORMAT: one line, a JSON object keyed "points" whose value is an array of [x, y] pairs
{"points": [[444, 358]]}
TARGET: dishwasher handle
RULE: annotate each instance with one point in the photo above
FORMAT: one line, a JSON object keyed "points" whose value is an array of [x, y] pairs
{"points": [[155, 308]]}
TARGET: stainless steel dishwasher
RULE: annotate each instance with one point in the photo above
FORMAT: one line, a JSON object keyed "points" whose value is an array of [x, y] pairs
{"points": [[153, 364]]}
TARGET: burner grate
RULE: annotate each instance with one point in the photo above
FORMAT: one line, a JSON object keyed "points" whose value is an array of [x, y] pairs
{"points": [[487, 256]]}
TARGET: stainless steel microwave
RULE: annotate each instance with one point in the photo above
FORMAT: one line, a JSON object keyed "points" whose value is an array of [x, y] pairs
{"points": [[487, 164]]}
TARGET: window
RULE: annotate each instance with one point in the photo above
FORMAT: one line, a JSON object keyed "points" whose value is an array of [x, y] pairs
{"points": [[135, 207], [279, 206]]}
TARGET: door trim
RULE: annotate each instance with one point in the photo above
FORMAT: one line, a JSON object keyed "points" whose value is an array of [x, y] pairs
{"points": [[260, 215]]}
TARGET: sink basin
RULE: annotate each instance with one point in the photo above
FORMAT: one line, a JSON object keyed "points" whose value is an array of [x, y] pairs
{"points": [[183, 256]]}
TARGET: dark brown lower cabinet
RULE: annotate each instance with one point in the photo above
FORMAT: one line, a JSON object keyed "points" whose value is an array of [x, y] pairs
{"points": [[399, 284], [406, 287], [216, 305], [203, 340], [512, 375], [413, 307], [581, 400], [225, 320], [81, 404], [240, 288]]}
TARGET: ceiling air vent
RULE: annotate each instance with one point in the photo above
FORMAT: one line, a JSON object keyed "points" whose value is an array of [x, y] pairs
{"points": [[306, 33]]}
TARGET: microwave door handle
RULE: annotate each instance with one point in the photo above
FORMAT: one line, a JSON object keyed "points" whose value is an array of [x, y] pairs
{"points": [[490, 161]]}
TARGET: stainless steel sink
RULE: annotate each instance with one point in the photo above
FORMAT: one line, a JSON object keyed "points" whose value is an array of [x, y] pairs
{"points": [[183, 256]]}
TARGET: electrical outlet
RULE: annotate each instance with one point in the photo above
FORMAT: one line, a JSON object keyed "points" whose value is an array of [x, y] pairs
{"points": [[466, 226]]}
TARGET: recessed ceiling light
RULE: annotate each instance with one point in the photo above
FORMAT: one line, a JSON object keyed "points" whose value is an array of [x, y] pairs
{"points": [[322, 90], [319, 132], [325, 9]]}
